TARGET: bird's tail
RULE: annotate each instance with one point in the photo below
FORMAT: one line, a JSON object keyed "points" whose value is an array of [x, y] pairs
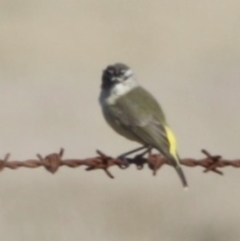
{"points": [[175, 161], [172, 156], [182, 176]]}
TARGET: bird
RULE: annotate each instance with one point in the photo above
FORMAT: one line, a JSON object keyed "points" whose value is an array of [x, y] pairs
{"points": [[134, 113]]}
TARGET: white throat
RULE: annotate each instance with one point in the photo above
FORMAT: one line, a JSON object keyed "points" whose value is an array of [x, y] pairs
{"points": [[110, 96]]}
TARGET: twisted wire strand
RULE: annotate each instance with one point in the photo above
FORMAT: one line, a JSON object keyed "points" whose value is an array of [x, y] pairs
{"points": [[54, 161]]}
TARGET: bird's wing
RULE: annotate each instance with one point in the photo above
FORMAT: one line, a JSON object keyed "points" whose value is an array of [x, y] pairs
{"points": [[151, 133], [143, 120]]}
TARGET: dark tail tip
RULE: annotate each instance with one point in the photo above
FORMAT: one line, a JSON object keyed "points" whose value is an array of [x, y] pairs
{"points": [[182, 177]]}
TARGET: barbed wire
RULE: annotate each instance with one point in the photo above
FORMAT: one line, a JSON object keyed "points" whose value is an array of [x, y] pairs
{"points": [[54, 161]]}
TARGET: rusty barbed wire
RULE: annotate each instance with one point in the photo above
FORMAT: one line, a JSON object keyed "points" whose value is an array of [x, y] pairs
{"points": [[54, 161]]}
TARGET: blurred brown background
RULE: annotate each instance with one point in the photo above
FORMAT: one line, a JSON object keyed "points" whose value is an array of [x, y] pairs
{"points": [[52, 54]]}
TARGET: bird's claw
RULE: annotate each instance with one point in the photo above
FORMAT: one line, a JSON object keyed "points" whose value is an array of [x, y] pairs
{"points": [[124, 162]]}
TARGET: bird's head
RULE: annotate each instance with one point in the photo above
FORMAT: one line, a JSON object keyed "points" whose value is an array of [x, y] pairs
{"points": [[116, 74]]}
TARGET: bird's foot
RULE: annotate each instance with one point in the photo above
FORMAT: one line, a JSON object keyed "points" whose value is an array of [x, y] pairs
{"points": [[124, 161]]}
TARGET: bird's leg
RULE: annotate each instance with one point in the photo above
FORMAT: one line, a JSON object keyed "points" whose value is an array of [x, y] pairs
{"points": [[132, 151], [124, 155], [148, 150]]}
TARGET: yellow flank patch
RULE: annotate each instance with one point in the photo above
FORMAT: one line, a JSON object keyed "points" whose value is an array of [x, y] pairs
{"points": [[172, 142]]}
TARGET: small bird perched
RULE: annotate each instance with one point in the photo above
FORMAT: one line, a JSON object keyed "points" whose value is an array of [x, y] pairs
{"points": [[135, 114]]}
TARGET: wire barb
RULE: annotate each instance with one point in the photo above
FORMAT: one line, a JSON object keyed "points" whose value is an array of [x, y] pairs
{"points": [[214, 162], [54, 161]]}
